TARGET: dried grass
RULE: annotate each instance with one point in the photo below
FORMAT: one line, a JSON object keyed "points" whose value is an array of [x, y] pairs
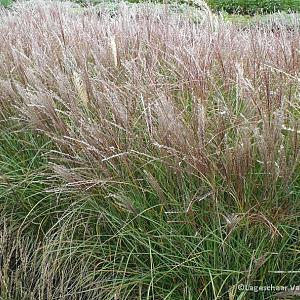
{"points": [[205, 97]]}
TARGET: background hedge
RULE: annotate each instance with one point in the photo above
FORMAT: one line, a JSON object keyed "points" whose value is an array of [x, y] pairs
{"points": [[246, 7], [252, 7]]}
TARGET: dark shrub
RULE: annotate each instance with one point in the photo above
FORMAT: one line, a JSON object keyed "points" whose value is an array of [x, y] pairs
{"points": [[254, 6]]}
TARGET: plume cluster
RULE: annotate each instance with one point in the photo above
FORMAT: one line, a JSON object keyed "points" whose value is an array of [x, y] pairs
{"points": [[150, 108]]}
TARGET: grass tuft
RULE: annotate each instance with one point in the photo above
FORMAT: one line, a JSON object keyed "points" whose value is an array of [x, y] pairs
{"points": [[147, 154]]}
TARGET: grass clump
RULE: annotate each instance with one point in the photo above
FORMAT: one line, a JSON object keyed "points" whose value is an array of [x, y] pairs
{"points": [[146, 156]]}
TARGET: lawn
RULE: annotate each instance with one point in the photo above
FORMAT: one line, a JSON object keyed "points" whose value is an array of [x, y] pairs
{"points": [[148, 153]]}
